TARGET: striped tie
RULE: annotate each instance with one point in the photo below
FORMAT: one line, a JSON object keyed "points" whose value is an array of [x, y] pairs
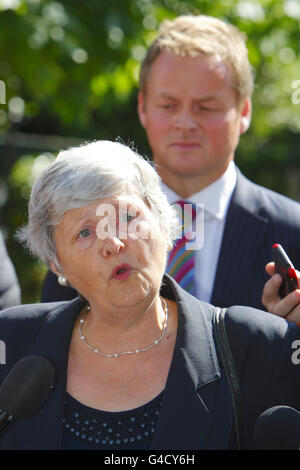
{"points": [[181, 261]]}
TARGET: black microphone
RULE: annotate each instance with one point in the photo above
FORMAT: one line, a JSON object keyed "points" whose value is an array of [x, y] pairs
{"points": [[25, 389], [278, 428]]}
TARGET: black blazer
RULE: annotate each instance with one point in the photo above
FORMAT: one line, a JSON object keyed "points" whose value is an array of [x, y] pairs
{"points": [[257, 218], [10, 292], [196, 411]]}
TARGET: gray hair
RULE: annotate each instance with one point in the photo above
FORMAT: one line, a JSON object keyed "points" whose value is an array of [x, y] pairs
{"points": [[82, 175]]}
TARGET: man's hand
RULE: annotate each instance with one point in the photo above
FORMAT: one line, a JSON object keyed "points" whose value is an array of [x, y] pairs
{"points": [[289, 306]]}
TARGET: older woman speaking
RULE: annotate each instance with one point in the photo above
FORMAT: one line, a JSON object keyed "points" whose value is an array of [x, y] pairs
{"points": [[135, 357]]}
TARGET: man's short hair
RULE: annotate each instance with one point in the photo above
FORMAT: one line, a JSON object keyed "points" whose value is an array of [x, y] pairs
{"points": [[201, 35]]}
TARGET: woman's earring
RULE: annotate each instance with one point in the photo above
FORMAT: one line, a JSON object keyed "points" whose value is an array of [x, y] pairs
{"points": [[62, 281]]}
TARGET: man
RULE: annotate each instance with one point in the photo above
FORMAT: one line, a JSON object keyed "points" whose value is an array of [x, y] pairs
{"points": [[194, 103], [10, 292]]}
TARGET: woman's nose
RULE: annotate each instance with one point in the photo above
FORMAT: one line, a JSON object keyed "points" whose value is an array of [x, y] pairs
{"points": [[112, 246]]}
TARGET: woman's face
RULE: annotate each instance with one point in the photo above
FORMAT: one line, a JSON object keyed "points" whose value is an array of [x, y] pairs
{"points": [[112, 251]]}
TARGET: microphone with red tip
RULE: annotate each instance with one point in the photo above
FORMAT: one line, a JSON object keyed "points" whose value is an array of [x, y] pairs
{"points": [[278, 428], [25, 389]]}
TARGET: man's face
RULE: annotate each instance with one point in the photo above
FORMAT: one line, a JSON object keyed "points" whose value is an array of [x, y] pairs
{"points": [[192, 118]]}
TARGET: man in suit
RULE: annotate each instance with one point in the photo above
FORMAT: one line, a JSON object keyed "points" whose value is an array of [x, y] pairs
{"points": [[195, 103], [10, 292]]}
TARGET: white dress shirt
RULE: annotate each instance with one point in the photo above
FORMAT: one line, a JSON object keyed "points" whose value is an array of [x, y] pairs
{"points": [[215, 200]]}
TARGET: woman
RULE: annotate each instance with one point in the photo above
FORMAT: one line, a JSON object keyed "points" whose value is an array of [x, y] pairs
{"points": [[135, 359]]}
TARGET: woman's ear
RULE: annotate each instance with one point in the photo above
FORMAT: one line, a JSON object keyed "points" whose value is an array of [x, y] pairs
{"points": [[54, 269]]}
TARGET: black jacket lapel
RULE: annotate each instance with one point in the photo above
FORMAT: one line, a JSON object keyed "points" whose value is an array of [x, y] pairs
{"points": [[196, 411], [238, 249]]}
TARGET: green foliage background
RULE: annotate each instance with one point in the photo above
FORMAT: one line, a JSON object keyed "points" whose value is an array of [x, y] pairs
{"points": [[70, 71]]}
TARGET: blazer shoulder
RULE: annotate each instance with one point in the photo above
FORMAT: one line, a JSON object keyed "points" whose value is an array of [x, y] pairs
{"points": [[31, 328], [259, 335], [27, 312], [253, 322], [26, 320], [267, 202]]}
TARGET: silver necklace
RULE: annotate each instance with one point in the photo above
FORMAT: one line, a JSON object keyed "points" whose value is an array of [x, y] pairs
{"points": [[136, 351]]}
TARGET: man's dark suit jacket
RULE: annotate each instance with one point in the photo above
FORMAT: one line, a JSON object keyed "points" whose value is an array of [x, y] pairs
{"points": [[257, 218], [196, 411], [10, 292]]}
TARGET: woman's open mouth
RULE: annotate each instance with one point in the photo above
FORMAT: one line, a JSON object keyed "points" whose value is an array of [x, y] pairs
{"points": [[121, 272]]}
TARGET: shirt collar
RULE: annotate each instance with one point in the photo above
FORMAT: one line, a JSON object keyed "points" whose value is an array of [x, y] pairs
{"points": [[215, 198]]}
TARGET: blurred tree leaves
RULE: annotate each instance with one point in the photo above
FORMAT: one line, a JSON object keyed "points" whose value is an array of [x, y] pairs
{"points": [[71, 73]]}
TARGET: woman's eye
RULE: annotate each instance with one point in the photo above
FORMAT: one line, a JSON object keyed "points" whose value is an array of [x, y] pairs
{"points": [[127, 217], [85, 233]]}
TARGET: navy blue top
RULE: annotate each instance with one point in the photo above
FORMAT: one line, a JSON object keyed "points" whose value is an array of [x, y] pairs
{"points": [[91, 429]]}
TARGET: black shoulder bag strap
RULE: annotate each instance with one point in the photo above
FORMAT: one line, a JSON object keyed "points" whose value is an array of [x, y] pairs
{"points": [[230, 370]]}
